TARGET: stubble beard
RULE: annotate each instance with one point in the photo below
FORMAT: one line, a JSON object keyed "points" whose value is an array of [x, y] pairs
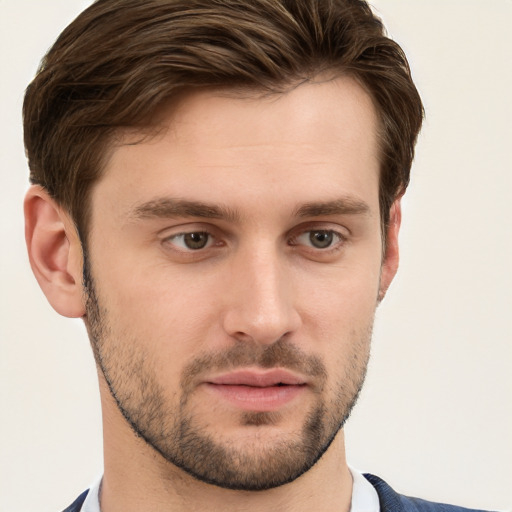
{"points": [[178, 436]]}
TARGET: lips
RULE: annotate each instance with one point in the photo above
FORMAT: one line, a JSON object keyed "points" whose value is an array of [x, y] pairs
{"points": [[259, 379], [259, 391]]}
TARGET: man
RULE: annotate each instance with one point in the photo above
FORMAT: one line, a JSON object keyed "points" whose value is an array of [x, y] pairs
{"points": [[216, 192]]}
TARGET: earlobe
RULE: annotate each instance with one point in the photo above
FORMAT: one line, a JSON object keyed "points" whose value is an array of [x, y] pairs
{"points": [[55, 252], [390, 258]]}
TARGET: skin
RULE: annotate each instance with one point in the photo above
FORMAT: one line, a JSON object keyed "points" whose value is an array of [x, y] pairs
{"points": [[260, 281]]}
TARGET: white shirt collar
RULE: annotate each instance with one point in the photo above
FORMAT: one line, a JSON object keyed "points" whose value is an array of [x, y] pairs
{"points": [[364, 495], [92, 500]]}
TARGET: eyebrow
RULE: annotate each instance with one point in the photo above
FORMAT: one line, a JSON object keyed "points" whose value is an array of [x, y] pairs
{"points": [[174, 208], [343, 206], [167, 207]]}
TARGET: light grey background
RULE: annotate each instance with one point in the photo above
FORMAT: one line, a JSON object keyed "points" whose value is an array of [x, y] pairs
{"points": [[435, 418]]}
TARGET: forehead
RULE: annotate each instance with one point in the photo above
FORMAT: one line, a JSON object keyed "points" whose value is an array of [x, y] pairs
{"points": [[317, 138]]}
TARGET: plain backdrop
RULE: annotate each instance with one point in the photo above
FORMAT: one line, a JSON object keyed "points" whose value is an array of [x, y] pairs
{"points": [[435, 417]]}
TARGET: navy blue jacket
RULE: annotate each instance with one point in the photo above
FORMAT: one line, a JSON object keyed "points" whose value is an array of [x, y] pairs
{"points": [[390, 501]]}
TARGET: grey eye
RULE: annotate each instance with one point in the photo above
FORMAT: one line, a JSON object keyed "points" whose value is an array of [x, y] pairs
{"points": [[321, 239]]}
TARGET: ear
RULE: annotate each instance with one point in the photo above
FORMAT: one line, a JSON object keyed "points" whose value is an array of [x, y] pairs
{"points": [[391, 253], [55, 252]]}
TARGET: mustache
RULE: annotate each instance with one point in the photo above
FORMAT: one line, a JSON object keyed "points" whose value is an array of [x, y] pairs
{"points": [[280, 354]]}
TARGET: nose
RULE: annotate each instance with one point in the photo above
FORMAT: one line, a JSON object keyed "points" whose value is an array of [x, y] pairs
{"points": [[261, 301]]}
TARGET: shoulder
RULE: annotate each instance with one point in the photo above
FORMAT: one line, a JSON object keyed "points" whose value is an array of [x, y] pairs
{"points": [[391, 501], [77, 504]]}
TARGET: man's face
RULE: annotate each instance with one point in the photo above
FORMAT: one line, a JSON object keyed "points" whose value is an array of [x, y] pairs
{"points": [[235, 260]]}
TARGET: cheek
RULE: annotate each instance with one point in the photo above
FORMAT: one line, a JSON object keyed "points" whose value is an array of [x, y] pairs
{"points": [[167, 312], [342, 298]]}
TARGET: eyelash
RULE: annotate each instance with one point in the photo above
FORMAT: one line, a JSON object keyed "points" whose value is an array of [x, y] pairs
{"points": [[191, 233], [336, 241]]}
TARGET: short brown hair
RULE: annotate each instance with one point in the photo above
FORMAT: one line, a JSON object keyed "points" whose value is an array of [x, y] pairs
{"points": [[120, 59]]}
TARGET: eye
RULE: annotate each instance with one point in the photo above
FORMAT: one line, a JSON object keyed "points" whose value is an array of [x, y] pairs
{"points": [[192, 241], [319, 238]]}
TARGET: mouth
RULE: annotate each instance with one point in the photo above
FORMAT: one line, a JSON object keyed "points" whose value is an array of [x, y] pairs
{"points": [[256, 390]]}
